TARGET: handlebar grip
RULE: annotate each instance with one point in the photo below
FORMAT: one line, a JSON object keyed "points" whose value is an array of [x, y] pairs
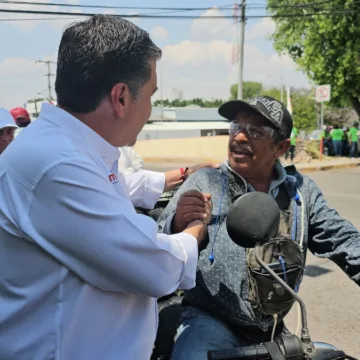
{"points": [[258, 352]]}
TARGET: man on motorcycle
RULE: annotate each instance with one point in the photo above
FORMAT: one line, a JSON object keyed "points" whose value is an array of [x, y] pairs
{"points": [[221, 312]]}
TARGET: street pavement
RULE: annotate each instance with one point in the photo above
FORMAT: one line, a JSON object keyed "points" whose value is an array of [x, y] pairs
{"points": [[333, 301]]}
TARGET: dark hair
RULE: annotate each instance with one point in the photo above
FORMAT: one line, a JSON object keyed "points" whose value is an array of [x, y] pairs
{"points": [[96, 54], [336, 126]]}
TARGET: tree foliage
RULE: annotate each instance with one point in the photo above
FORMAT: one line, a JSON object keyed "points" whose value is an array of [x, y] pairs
{"points": [[324, 45], [183, 103], [250, 90]]}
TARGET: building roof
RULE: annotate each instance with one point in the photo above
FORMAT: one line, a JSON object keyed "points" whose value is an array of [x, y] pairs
{"points": [[185, 114], [193, 125]]}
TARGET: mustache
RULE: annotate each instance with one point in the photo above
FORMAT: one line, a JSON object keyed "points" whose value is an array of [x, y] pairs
{"points": [[241, 148]]}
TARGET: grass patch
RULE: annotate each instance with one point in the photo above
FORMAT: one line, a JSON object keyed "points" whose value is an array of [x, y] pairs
{"points": [[313, 149]]}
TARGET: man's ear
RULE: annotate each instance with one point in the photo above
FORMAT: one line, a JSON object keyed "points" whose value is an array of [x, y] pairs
{"points": [[283, 147], [120, 98]]}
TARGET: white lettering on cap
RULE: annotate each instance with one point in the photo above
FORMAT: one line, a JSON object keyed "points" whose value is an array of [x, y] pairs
{"points": [[272, 106]]}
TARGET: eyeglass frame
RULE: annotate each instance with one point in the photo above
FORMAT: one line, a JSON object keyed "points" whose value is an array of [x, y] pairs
{"points": [[271, 132]]}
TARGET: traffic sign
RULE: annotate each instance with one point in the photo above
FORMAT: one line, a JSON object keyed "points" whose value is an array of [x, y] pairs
{"points": [[323, 93]]}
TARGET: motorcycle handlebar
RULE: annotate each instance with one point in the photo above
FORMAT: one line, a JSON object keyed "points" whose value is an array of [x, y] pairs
{"points": [[273, 351], [258, 352]]}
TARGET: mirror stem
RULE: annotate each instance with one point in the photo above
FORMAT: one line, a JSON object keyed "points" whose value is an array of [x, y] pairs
{"points": [[305, 334]]}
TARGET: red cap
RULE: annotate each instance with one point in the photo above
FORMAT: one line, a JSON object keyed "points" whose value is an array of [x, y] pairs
{"points": [[20, 112]]}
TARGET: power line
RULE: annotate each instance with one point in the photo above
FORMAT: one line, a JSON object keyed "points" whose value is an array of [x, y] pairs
{"points": [[286, 6], [110, 6], [38, 19], [179, 17], [175, 9]]}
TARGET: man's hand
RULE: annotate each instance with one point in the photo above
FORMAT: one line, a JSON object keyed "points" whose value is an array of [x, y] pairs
{"points": [[192, 205], [197, 229]]}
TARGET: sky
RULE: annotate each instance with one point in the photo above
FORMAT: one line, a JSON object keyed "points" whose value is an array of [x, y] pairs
{"points": [[197, 53]]}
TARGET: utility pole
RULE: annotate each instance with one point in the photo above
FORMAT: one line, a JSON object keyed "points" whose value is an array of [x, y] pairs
{"points": [[282, 89], [241, 49], [161, 94], [49, 75]]}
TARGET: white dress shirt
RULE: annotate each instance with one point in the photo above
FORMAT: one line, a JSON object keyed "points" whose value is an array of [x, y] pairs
{"points": [[130, 161], [80, 270]]}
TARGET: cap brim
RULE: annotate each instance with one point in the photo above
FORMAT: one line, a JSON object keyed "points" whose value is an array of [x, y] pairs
{"points": [[230, 109], [8, 125]]}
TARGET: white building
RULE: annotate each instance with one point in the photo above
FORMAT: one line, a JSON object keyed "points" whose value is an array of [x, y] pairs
{"points": [[175, 123], [171, 123]]}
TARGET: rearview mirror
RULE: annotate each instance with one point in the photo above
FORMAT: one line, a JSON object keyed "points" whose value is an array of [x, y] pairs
{"points": [[253, 218]]}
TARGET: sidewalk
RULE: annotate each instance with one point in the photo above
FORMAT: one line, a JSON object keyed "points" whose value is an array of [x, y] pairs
{"points": [[331, 164], [169, 153]]}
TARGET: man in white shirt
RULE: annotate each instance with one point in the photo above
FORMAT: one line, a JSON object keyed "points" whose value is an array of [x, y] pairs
{"points": [[130, 161], [80, 270], [7, 129]]}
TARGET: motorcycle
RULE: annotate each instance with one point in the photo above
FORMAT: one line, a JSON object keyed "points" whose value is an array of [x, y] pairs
{"points": [[252, 232]]}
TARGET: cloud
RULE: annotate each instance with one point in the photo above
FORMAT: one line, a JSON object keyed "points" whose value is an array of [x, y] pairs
{"points": [[199, 66], [203, 69], [159, 33], [30, 21], [22, 79], [261, 30], [210, 29]]}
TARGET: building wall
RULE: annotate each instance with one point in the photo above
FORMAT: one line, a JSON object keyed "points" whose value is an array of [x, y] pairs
{"points": [[168, 134]]}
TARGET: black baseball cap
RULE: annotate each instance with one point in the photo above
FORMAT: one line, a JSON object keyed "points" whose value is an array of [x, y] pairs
{"points": [[272, 109]]}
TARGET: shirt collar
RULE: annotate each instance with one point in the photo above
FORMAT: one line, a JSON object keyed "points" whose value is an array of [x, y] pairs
{"points": [[79, 130], [280, 173]]}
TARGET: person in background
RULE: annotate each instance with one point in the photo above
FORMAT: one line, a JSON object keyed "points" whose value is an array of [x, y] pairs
{"points": [[353, 139], [293, 139], [337, 135], [7, 129], [325, 136], [21, 117], [131, 162], [345, 142]]}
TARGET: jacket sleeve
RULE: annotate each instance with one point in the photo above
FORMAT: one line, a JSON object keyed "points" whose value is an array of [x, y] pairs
{"points": [[331, 236], [194, 182]]}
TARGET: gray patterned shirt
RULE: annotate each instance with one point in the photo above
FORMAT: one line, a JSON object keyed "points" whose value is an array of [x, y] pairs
{"points": [[222, 287]]}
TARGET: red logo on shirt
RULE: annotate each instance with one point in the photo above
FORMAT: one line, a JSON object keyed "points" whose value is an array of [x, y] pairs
{"points": [[113, 179]]}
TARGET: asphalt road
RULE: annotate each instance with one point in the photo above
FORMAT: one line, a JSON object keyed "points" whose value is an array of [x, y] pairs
{"points": [[333, 301]]}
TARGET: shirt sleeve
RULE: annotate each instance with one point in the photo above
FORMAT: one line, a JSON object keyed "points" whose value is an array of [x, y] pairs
{"points": [[332, 237], [137, 160], [90, 226], [145, 187], [193, 182]]}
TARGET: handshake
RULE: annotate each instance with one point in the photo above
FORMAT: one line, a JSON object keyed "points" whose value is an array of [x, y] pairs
{"points": [[193, 213]]}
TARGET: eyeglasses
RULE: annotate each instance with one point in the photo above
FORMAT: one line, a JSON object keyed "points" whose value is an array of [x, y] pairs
{"points": [[255, 132]]}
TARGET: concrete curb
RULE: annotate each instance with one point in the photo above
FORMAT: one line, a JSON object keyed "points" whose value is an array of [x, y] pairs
{"points": [[304, 168], [324, 167]]}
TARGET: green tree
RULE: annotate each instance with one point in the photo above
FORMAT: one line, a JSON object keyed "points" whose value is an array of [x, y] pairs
{"points": [[250, 90], [196, 101], [304, 110], [273, 92], [303, 105], [323, 40]]}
